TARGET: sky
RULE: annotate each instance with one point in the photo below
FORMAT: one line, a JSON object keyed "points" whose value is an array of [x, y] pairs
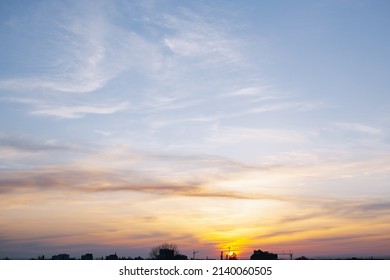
{"points": [[207, 124]]}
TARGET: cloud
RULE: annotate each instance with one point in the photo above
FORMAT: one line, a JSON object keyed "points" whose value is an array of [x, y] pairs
{"points": [[278, 233], [353, 208], [102, 132], [26, 144], [225, 113], [58, 83], [359, 128], [375, 206], [301, 217], [225, 135], [87, 181], [47, 179], [369, 209], [51, 108], [344, 238], [20, 151], [250, 91], [188, 191], [71, 112], [157, 104], [123, 169], [195, 37], [86, 52], [300, 106]]}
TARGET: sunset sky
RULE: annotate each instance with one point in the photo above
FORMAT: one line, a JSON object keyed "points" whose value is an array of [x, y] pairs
{"points": [[208, 124]]}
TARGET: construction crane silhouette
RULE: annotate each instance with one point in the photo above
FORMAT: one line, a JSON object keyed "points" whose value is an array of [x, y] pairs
{"points": [[194, 253]]}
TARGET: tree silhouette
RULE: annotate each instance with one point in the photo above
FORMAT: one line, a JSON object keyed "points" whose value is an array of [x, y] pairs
{"points": [[155, 251]]}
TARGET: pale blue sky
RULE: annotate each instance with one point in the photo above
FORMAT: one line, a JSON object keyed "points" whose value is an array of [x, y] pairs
{"points": [[278, 98]]}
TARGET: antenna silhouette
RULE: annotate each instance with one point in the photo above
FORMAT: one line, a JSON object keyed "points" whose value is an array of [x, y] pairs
{"points": [[229, 254], [194, 253]]}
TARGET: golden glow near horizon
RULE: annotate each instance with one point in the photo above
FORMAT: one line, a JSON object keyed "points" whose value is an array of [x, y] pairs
{"points": [[241, 224]]}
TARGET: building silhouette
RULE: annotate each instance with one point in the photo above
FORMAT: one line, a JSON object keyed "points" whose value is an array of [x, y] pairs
{"points": [[168, 254], [180, 257], [112, 257], [61, 257], [260, 255], [87, 256]]}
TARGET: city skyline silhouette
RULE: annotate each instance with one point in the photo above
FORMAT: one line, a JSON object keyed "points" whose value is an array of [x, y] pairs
{"points": [[169, 251]]}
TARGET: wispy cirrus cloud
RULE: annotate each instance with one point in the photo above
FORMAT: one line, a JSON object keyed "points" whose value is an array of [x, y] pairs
{"points": [[44, 107], [87, 181], [21, 150], [72, 112], [26, 144], [144, 173], [226, 135], [358, 128], [86, 52], [190, 191], [196, 37], [242, 110], [340, 208], [255, 94]]}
